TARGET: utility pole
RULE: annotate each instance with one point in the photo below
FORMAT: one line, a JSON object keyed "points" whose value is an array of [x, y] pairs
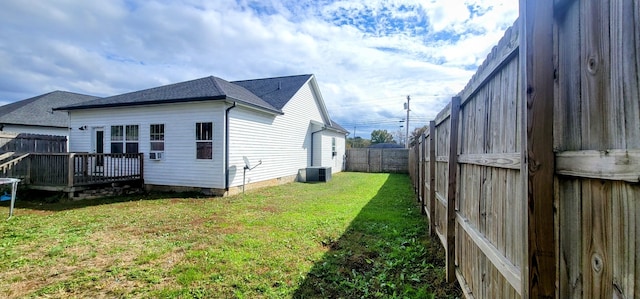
{"points": [[408, 109]]}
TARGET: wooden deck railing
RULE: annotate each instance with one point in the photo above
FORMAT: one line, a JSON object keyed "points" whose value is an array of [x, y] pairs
{"points": [[68, 170], [89, 169]]}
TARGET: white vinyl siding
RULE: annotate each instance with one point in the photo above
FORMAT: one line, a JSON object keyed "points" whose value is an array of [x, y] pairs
{"points": [[282, 142], [328, 159], [179, 166], [333, 146]]}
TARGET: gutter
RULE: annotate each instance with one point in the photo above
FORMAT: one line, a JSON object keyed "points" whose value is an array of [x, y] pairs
{"points": [[324, 128], [226, 146]]}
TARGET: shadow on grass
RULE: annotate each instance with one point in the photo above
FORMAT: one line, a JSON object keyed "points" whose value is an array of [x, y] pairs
{"points": [[385, 252], [57, 201]]}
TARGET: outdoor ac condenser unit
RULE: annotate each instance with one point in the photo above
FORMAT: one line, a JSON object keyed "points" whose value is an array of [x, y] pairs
{"points": [[318, 174]]}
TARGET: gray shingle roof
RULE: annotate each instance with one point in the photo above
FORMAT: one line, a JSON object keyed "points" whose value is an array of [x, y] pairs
{"points": [[276, 91], [338, 127], [203, 89], [37, 111]]}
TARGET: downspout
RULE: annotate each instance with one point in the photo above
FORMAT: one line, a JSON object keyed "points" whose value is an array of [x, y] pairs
{"points": [[323, 129], [226, 146]]}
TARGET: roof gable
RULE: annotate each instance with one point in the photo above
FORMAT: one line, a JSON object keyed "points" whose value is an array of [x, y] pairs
{"points": [[38, 110], [207, 88], [279, 91], [276, 91]]}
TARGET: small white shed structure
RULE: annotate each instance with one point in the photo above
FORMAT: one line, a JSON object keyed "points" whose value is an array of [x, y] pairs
{"points": [[195, 135]]}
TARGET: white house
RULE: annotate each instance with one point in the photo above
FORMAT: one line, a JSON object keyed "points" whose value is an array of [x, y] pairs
{"points": [[200, 134]]}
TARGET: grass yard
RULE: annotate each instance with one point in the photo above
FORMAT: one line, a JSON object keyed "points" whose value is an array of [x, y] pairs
{"points": [[360, 235]]}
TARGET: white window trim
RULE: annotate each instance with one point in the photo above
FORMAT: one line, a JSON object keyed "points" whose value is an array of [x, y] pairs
{"points": [[124, 140], [203, 140]]}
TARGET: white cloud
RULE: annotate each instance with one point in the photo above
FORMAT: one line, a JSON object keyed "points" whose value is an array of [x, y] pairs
{"points": [[368, 55], [449, 15]]}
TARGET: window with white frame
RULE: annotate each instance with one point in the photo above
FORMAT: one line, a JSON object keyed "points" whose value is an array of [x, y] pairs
{"points": [[204, 140], [124, 139], [333, 147], [156, 137]]}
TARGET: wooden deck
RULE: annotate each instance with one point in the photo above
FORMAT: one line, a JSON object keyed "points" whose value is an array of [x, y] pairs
{"points": [[71, 172]]}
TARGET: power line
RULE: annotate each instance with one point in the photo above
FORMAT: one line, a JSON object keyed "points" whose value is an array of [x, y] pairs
{"points": [[383, 101], [384, 121]]}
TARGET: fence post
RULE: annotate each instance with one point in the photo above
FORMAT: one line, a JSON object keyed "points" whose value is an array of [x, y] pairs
{"points": [[28, 172], [417, 149], [423, 196], [451, 192], [368, 161], [141, 168], [70, 172], [537, 169], [432, 176]]}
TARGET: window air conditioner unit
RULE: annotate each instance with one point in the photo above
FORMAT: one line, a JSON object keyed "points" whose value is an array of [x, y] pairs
{"points": [[156, 156]]}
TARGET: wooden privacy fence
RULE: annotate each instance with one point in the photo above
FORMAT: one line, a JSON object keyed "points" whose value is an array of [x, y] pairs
{"points": [[389, 160], [529, 177], [32, 143]]}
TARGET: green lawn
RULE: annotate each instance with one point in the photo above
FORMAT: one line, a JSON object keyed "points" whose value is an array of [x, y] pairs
{"points": [[360, 235]]}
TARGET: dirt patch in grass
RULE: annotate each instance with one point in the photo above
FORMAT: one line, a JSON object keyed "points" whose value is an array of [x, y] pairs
{"points": [[271, 209], [38, 212]]}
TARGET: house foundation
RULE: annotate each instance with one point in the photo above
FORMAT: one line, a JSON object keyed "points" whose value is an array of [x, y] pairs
{"points": [[221, 192]]}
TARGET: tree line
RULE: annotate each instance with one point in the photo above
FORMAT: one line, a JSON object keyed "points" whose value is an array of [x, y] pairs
{"points": [[384, 136]]}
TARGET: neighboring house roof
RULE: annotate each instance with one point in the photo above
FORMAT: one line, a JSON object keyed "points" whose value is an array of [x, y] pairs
{"points": [[203, 89], [37, 111], [276, 91], [386, 145]]}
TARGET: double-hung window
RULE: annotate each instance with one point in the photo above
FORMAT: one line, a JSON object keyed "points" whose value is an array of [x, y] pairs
{"points": [[333, 147], [124, 139], [204, 140], [156, 137]]}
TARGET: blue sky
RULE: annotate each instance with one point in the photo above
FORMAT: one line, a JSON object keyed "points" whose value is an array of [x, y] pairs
{"points": [[367, 55]]}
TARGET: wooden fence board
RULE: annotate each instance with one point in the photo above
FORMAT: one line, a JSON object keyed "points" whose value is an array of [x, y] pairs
{"points": [[621, 165], [501, 160], [596, 253], [625, 210], [567, 125], [594, 77], [625, 42]]}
